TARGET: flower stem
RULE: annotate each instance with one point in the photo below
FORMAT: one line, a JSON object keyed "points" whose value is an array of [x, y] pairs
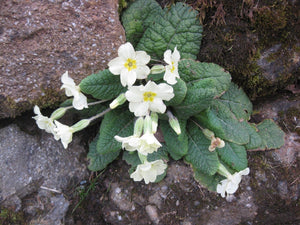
{"points": [[100, 114], [89, 104], [97, 102]]}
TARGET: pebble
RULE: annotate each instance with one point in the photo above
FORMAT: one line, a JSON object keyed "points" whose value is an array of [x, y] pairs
{"points": [[152, 213]]}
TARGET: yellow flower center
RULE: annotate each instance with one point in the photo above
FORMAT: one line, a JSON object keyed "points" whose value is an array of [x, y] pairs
{"points": [[173, 68], [149, 96], [130, 64]]}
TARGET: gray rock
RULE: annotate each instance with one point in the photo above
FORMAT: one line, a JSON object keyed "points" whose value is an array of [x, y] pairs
{"points": [[152, 213], [38, 166], [40, 40], [55, 216], [121, 197], [277, 63]]}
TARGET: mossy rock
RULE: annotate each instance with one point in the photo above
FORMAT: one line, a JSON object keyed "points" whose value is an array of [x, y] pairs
{"points": [[257, 44]]}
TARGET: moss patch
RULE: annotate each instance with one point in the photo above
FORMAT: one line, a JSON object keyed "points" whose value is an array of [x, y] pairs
{"points": [[8, 216]]}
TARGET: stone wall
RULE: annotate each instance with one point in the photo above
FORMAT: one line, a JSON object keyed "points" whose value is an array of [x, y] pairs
{"points": [[40, 40]]}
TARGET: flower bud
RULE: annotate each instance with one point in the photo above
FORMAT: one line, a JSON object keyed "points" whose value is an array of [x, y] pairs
{"points": [[80, 125], [175, 125], [173, 121], [157, 69], [138, 127], [118, 101], [223, 171], [147, 125], [208, 133], [154, 118], [58, 113]]}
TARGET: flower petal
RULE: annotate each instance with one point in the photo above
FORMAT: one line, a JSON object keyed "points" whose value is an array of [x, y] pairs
{"points": [[134, 94], [136, 176], [80, 101], [245, 171], [142, 58], [176, 55], [126, 51], [170, 78], [139, 108], [116, 65], [168, 56], [65, 79], [142, 72], [232, 187], [128, 78], [165, 91], [157, 106]]}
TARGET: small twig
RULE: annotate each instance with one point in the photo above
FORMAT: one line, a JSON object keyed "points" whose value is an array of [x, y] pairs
{"points": [[50, 189]]}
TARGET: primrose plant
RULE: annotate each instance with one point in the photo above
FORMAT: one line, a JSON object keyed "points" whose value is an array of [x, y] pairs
{"points": [[157, 101]]}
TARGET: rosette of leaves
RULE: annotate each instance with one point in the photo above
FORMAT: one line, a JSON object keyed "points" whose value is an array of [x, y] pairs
{"points": [[205, 97]]}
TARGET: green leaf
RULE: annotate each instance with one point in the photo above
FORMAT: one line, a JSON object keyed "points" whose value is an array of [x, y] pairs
{"points": [[98, 160], [138, 17], [116, 122], [210, 182], [102, 85], [177, 27], [255, 140], [180, 90], [132, 159], [161, 153], [234, 155], [238, 102], [192, 71], [205, 81], [198, 155], [272, 136], [219, 119], [177, 145]]}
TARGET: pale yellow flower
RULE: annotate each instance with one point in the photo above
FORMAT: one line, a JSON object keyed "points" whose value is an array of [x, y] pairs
{"points": [[64, 132], [130, 64], [231, 184], [149, 171], [79, 100], [172, 60], [44, 122], [143, 99]]}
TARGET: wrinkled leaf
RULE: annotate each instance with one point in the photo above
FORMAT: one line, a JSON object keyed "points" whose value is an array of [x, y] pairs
{"points": [[272, 136], [208, 181], [180, 90], [177, 145], [238, 102], [205, 81], [116, 122], [138, 17], [99, 160], [132, 159], [179, 27], [234, 155], [200, 158], [255, 140], [223, 123], [102, 85], [161, 153]]}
